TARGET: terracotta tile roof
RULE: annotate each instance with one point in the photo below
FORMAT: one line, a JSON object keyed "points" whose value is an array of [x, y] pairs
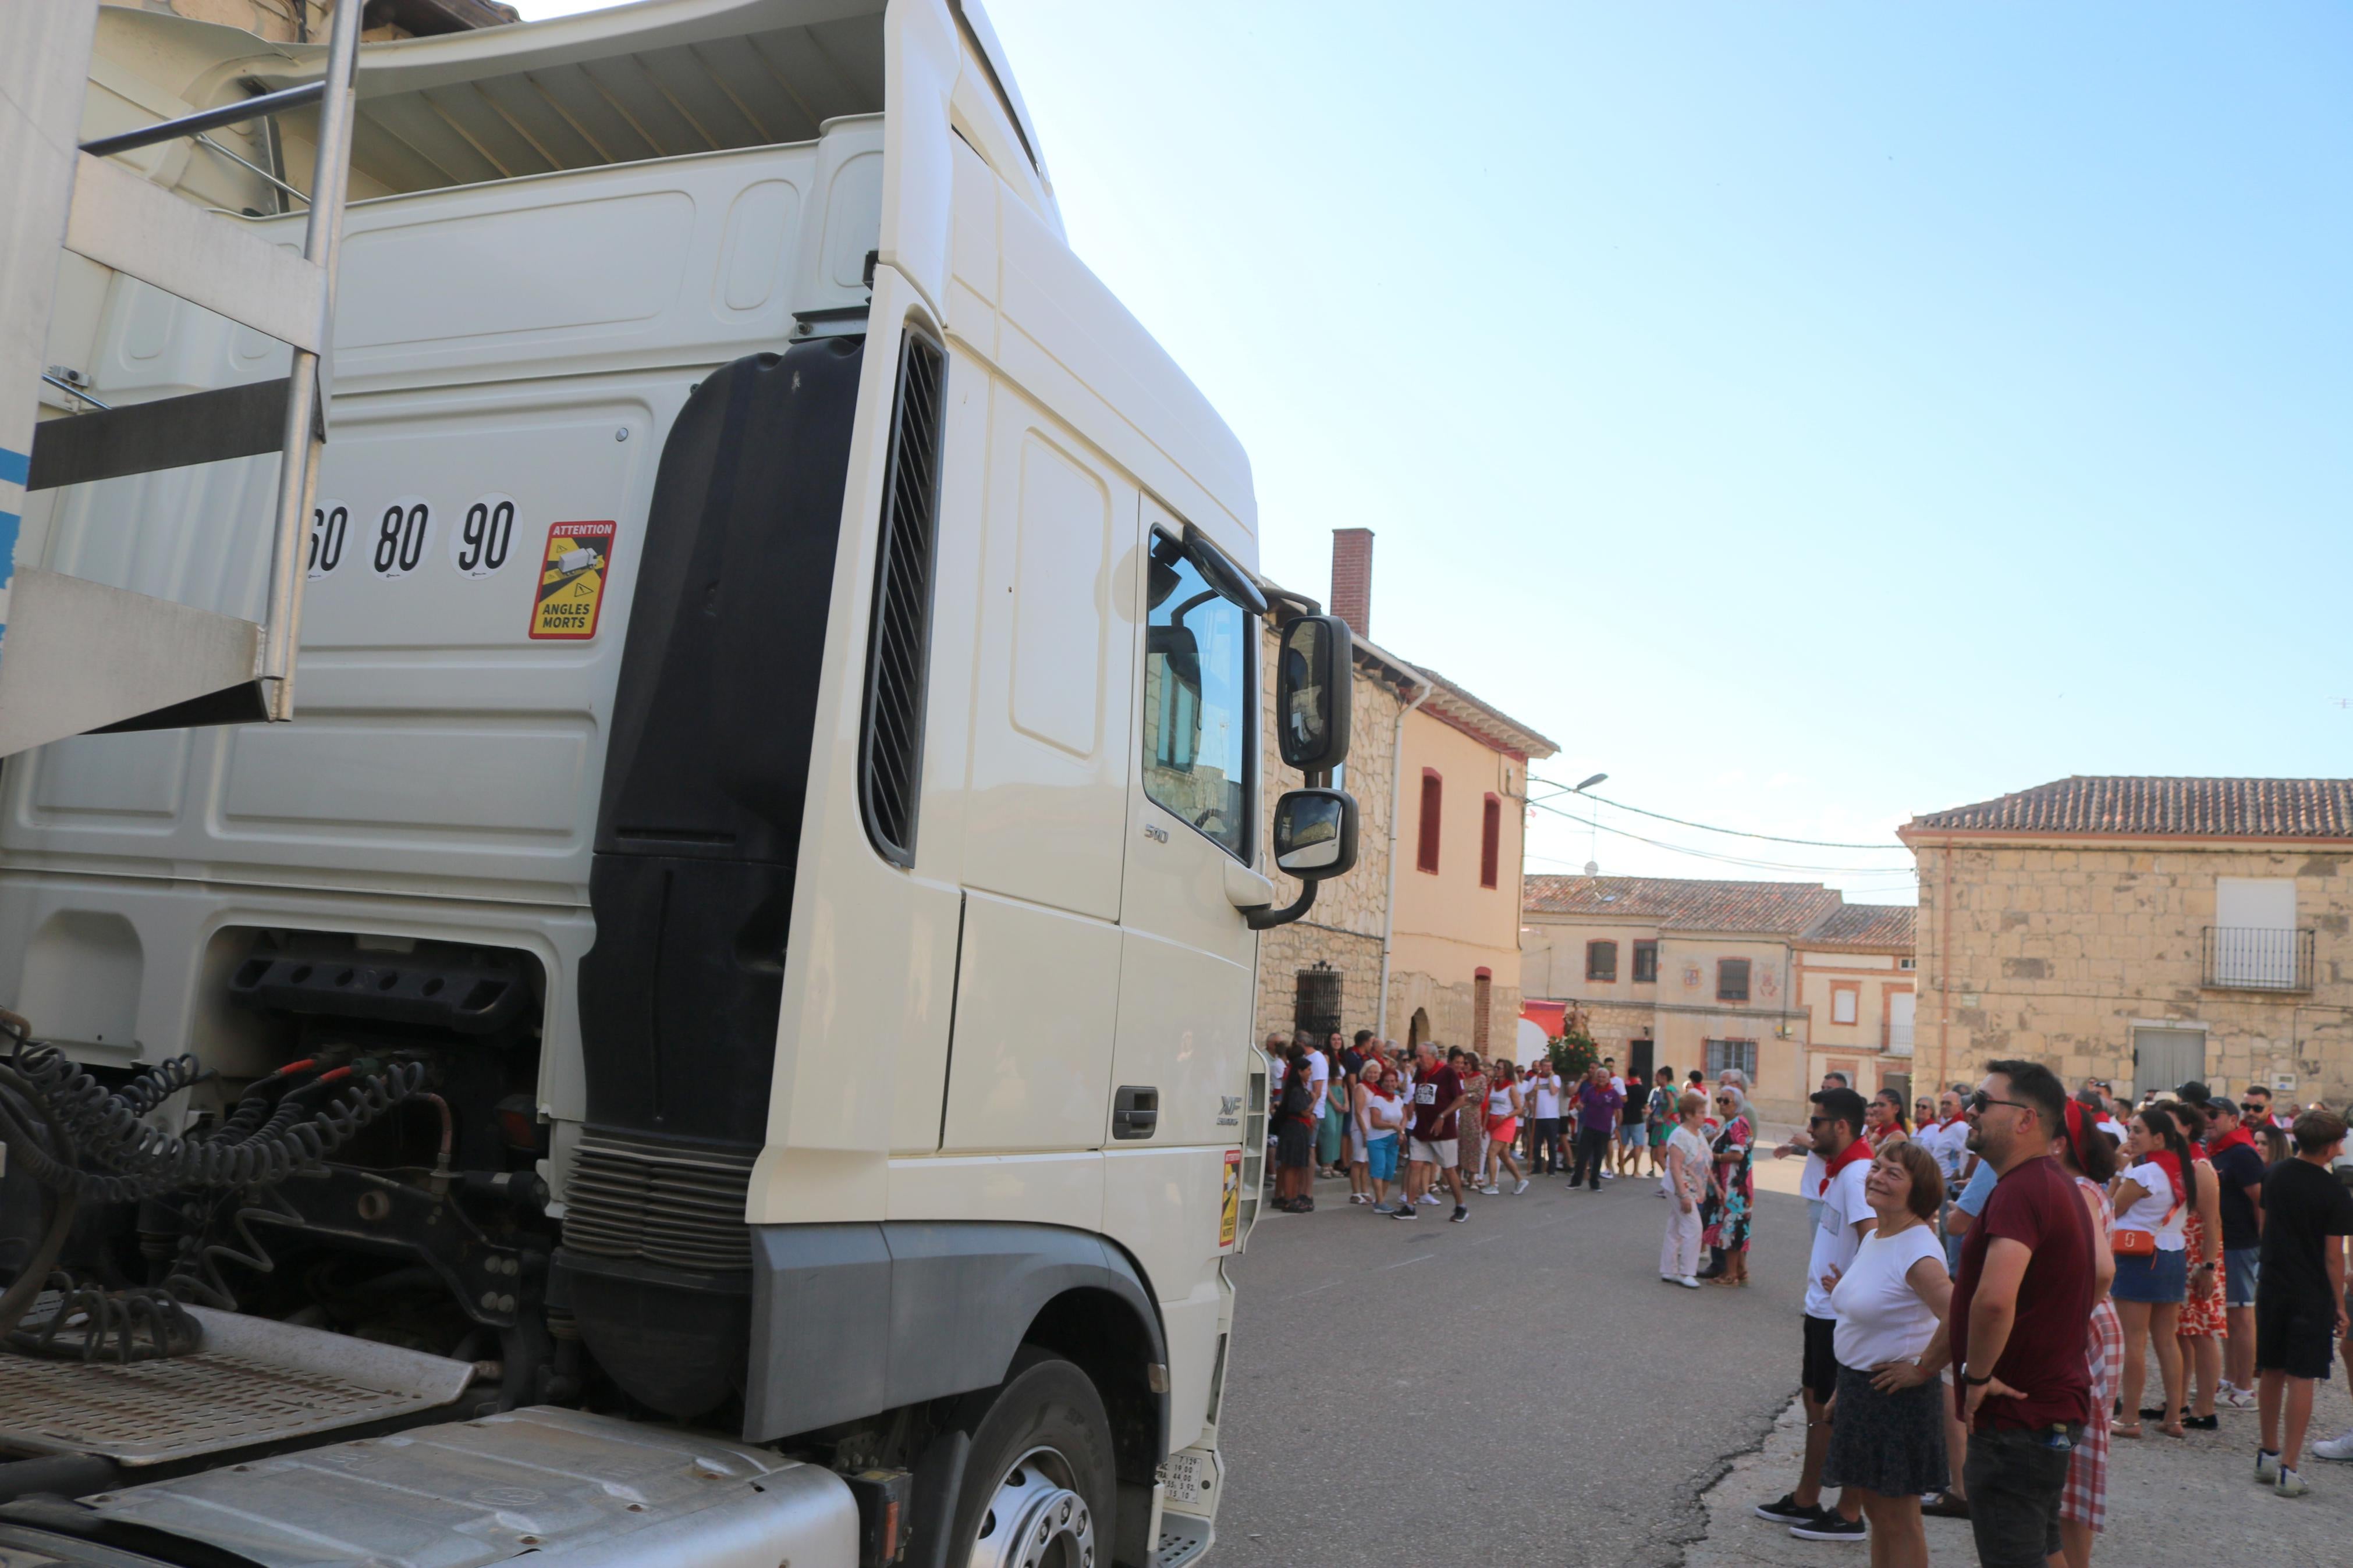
{"points": [[2158, 807], [1683, 903], [1867, 925], [1483, 722]]}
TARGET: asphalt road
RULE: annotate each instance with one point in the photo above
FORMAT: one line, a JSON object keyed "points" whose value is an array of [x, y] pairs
{"points": [[1519, 1389]]}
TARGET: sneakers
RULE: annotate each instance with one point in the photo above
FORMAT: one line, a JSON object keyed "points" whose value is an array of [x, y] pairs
{"points": [[1432, 1199], [1826, 1525], [2290, 1484], [1687, 1282], [1521, 1188], [2240, 1399], [2267, 1468], [2337, 1448], [1461, 1213], [1403, 1211], [1491, 1192], [1786, 1510]]}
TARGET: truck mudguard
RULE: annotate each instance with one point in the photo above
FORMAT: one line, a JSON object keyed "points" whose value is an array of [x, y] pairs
{"points": [[848, 1320]]}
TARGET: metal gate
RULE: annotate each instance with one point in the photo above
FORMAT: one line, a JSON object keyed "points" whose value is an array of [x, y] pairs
{"points": [[1315, 1011]]}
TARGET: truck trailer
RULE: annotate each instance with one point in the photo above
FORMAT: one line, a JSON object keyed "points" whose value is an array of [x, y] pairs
{"points": [[711, 1026]]}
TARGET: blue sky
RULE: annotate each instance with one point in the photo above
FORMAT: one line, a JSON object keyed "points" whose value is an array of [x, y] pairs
{"points": [[1808, 416]]}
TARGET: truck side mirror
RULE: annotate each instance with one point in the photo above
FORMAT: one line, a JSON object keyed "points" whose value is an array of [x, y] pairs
{"points": [[1312, 682], [1315, 833]]}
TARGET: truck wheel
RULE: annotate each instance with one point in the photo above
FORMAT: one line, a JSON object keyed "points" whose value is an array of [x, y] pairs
{"points": [[1038, 1484]]}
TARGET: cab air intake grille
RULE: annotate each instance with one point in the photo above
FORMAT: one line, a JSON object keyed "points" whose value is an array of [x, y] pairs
{"points": [[891, 747], [681, 1208]]}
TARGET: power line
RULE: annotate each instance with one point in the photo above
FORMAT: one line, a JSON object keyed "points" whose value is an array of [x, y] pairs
{"points": [[1749, 863], [1728, 832]]}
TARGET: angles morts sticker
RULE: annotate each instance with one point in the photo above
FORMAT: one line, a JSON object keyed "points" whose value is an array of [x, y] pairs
{"points": [[571, 576]]}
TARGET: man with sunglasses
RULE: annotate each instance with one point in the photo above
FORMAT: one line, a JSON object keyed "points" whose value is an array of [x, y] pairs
{"points": [[1834, 1130], [2256, 1106], [2023, 1383]]}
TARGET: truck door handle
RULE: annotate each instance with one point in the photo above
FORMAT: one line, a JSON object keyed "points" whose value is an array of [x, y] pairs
{"points": [[1134, 1112]]}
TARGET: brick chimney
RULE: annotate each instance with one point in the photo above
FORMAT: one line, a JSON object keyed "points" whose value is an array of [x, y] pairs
{"points": [[1352, 578]]}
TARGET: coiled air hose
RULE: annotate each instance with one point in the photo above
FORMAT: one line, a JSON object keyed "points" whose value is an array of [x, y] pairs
{"points": [[83, 1142]]}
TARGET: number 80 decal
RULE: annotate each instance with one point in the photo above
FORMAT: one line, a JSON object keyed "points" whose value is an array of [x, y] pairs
{"points": [[398, 536]]}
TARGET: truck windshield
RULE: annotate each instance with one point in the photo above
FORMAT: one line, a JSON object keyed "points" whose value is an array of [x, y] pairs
{"points": [[1197, 712]]}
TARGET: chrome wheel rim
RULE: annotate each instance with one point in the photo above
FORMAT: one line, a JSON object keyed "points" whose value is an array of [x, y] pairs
{"points": [[1036, 1518]]}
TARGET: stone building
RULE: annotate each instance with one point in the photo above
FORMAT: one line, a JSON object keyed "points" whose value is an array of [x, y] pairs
{"points": [[1690, 973], [2148, 931], [1420, 939]]}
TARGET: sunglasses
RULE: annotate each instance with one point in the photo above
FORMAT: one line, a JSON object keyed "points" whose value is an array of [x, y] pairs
{"points": [[2253, 1107]]}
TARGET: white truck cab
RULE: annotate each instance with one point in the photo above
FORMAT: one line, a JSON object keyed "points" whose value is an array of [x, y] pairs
{"points": [[754, 913]]}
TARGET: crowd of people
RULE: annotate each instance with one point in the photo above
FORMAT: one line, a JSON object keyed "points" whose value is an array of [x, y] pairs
{"points": [[1990, 1273], [1985, 1376]]}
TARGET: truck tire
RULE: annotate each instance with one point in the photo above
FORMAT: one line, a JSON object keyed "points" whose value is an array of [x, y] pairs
{"points": [[1039, 1487]]}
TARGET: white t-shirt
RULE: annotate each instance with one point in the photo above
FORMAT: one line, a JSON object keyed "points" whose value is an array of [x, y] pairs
{"points": [[1544, 1098], [1616, 1083], [1809, 1180], [1835, 1243], [1880, 1317], [1319, 1079], [2150, 1213], [1950, 1145], [1695, 1161], [1385, 1112]]}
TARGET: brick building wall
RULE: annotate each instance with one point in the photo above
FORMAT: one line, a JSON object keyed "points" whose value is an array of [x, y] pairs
{"points": [[2060, 953]]}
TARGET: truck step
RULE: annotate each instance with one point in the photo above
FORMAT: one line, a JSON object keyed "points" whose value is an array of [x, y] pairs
{"points": [[253, 1380], [1183, 1539]]}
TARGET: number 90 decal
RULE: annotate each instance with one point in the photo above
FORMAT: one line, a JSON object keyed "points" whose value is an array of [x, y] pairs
{"points": [[330, 527], [400, 535], [483, 538]]}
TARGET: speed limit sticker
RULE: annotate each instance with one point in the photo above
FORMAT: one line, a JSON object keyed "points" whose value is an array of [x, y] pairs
{"points": [[480, 543], [401, 536], [572, 573]]}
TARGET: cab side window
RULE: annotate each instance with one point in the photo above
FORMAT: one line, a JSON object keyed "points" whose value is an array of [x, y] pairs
{"points": [[1197, 730]]}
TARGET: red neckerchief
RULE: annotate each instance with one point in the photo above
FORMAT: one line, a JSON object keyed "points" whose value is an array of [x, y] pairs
{"points": [[1879, 1136], [1948, 1121], [1858, 1149], [2231, 1139], [2165, 1159]]}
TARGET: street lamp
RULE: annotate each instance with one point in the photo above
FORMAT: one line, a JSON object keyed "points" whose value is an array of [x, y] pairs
{"points": [[1597, 778], [1593, 865]]}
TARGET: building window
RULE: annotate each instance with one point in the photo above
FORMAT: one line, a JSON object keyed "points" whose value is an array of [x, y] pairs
{"points": [[1491, 841], [2253, 942], [1601, 961], [1846, 1004], [1646, 963], [1426, 849], [1315, 1006], [1741, 1054], [1732, 979], [1482, 992]]}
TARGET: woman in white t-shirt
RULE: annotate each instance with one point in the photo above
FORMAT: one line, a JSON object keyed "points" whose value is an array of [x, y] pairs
{"points": [[1887, 1421], [2153, 1198], [1685, 1181]]}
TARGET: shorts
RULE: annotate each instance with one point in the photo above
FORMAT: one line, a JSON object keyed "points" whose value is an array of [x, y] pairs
{"points": [[1502, 1129], [2160, 1279], [2295, 1334], [2239, 1276], [1443, 1152], [1631, 1136], [1821, 1367], [1294, 1145], [1381, 1158]]}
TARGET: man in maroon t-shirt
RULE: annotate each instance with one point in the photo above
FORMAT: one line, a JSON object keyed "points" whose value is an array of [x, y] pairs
{"points": [[1437, 1090], [2018, 1310]]}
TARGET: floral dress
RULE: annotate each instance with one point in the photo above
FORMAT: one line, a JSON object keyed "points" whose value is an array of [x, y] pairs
{"points": [[1470, 1129], [2201, 1316], [1727, 1221]]}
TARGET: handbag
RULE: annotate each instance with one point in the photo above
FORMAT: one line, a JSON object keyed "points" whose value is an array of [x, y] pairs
{"points": [[2137, 1243]]}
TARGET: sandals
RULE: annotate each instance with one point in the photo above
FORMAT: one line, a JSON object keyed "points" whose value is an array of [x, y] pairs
{"points": [[1945, 1505], [2126, 1429]]}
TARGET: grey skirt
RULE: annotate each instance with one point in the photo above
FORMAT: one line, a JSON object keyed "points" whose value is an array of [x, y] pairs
{"points": [[1891, 1444]]}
